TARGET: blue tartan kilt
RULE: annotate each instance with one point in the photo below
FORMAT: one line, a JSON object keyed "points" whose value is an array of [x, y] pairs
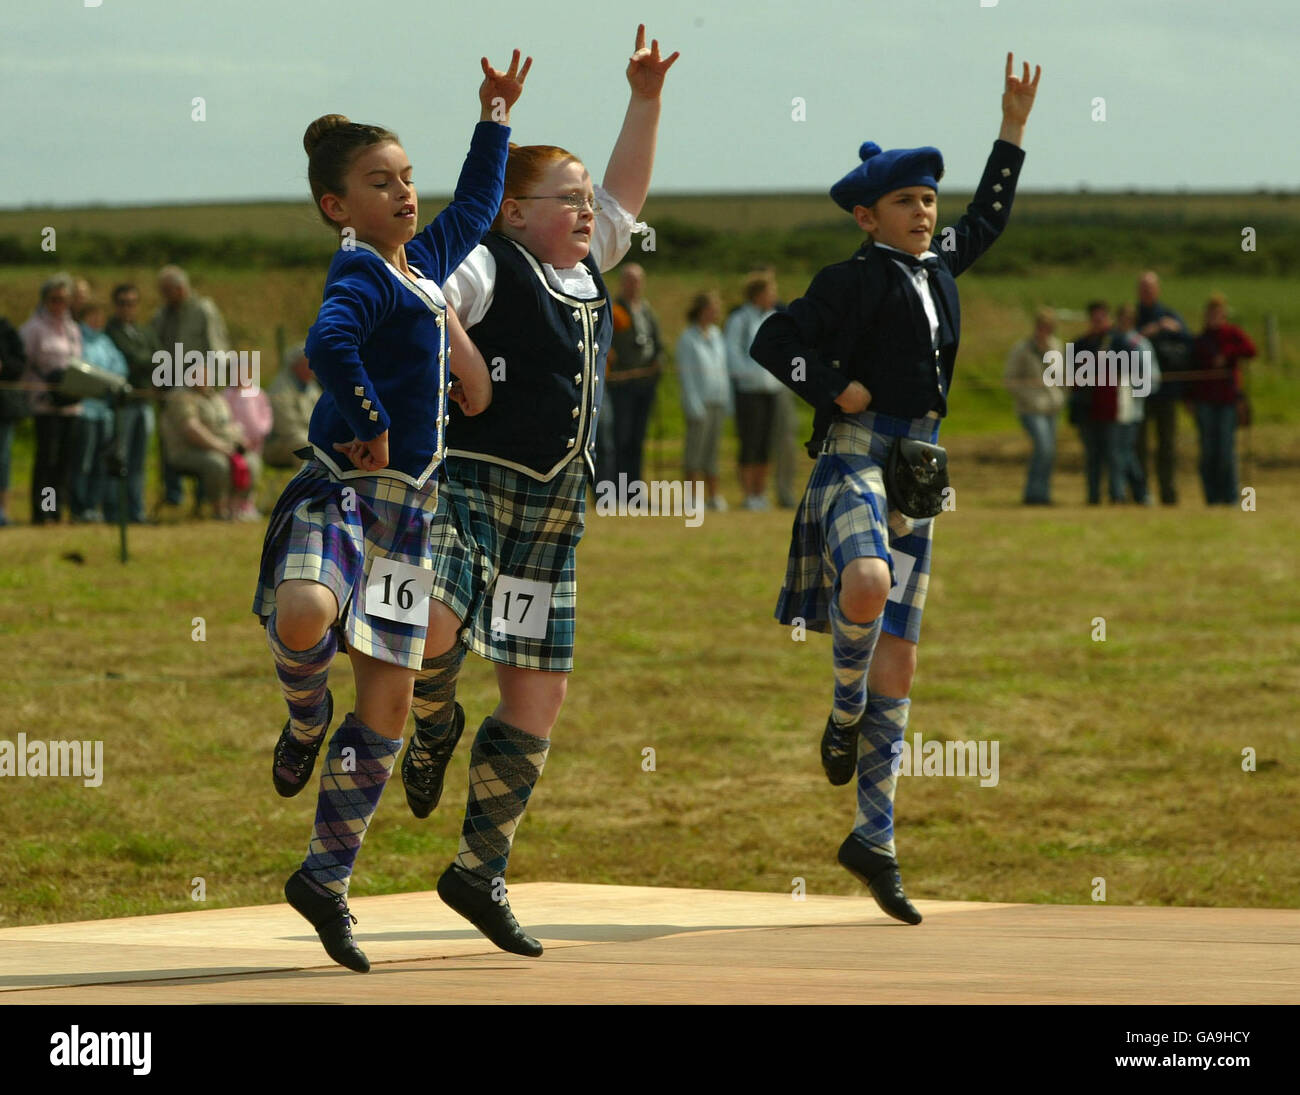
{"points": [[521, 528], [320, 532], [844, 515]]}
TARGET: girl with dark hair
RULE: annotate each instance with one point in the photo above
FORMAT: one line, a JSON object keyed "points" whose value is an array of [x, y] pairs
{"points": [[349, 548]]}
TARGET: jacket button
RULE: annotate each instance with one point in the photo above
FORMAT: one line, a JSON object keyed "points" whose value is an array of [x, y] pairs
{"points": [[577, 313], [571, 442], [358, 390], [575, 412], [446, 418], [581, 344], [577, 378]]}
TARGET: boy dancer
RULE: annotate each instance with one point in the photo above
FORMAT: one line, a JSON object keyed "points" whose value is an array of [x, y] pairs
{"points": [[890, 320]]}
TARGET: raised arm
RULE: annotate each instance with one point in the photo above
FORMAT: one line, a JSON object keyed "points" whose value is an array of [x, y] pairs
{"points": [[457, 230], [1017, 101], [627, 176], [987, 215]]}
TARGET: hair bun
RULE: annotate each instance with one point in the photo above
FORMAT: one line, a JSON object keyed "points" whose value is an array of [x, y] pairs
{"points": [[321, 128], [868, 149]]}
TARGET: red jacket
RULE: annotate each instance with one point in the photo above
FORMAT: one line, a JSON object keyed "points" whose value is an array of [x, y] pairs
{"points": [[1235, 345]]}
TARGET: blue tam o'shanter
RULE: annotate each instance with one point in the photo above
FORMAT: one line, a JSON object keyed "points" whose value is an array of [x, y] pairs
{"points": [[882, 172]]}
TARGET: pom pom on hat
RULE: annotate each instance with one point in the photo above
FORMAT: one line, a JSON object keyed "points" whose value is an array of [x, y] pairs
{"points": [[882, 172]]}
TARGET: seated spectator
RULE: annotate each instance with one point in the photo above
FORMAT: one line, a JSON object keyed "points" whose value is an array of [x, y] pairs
{"points": [[705, 391], [293, 393], [1038, 404], [1215, 397], [51, 340], [93, 432], [250, 410], [200, 437]]}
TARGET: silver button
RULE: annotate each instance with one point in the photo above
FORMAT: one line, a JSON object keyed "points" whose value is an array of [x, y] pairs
{"points": [[581, 345], [571, 442], [575, 412], [577, 313], [1005, 172], [997, 188], [446, 418], [577, 378], [997, 206]]}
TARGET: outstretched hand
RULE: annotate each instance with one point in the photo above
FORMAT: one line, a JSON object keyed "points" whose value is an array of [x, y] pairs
{"points": [[1018, 95], [501, 90], [646, 69]]}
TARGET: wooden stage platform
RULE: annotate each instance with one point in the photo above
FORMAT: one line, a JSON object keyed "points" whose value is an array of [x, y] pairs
{"points": [[623, 944]]}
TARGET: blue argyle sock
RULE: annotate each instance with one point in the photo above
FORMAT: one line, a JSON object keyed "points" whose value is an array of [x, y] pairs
{"points": [[357, 765], [878, 760], [303, 675], [852, 645]]}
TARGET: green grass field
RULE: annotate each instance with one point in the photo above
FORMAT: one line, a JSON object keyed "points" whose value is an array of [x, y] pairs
{"points": [[1120, 760]]}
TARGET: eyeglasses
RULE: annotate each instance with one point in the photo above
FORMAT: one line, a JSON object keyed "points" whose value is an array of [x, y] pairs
{"points": [[576, 202]]}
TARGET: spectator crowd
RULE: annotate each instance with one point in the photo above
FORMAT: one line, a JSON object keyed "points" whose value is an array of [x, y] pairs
{"points": [[91, 453]]}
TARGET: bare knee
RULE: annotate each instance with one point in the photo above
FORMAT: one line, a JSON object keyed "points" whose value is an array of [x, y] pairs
{"points": [[303, 612], [864, 588], [530, 699], [443, 630]]}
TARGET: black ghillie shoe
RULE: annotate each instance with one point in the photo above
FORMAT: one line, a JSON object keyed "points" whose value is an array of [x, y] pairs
{"points": [[494, 919], [293, 762], [329, 915], [880, 873], [423, 768], [840, 751]]}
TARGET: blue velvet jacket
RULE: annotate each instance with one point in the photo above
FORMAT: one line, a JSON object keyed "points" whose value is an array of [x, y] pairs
{"points": [[379, 347]]}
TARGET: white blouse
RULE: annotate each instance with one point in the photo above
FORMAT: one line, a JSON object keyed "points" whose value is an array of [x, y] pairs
{"points": [[470, 288]]}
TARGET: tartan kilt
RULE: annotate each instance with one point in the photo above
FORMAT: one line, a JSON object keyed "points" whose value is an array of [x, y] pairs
{"points": [[521, 528], [319, 534], [844, 515]]}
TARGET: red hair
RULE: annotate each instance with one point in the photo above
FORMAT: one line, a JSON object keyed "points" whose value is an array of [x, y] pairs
{"points": [[525, 166]]}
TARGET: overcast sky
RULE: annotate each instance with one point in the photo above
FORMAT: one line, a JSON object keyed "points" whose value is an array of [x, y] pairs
{"points": [[1201, 94]]}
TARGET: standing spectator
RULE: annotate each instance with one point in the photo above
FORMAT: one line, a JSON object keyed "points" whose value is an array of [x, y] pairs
{"points": [[135, 421], [14, 404], [1093, 408], [93, 431], [250, 410], [1218, 351], [632, 372], [202, 438], [293, 393], [51, 340], [1172, 342], [1038, 404], [190, 322], [706, 393], [1130, 411], [756, 389]]}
